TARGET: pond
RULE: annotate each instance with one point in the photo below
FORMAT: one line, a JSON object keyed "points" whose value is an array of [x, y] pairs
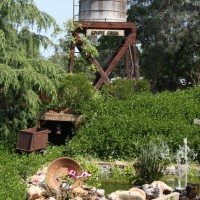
{"points": [[170, 180], [110, 187]]}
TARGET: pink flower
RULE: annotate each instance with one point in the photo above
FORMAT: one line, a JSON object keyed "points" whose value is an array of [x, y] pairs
{"points": [[72, 172], [85, 174], [35, 181]]}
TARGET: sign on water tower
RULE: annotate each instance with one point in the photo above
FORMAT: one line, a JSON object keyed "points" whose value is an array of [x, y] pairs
{"points": [[102, 10], [102, 32]]}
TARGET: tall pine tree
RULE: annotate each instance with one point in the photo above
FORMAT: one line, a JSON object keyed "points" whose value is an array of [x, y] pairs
{"points": [[24, 74]]}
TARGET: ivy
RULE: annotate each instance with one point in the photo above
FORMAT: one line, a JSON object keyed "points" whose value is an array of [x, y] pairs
{"points": [[118, 128]]}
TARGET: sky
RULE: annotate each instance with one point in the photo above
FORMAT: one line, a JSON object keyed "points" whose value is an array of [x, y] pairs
{"points": [[60, 10]]}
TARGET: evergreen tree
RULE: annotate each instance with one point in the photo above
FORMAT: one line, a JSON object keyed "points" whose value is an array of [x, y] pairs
{"points": [[170, 40], [24, 74]]}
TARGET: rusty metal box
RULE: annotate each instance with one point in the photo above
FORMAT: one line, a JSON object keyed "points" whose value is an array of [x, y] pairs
{"points": [[32, 139]]}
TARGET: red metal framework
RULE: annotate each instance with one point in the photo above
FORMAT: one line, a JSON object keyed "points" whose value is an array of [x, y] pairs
{"points": [[128, 48]]}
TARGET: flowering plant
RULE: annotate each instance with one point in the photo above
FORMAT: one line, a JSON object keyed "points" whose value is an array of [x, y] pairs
{"points": [[37, 179], [70, 180], [74, 174]]}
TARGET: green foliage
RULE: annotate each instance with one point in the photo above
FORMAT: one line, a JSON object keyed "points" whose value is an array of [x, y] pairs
{"points": [[19, 13], [11, 185], [20, 95], [62, 54], [142, 85], [8, 78], [24, 75], [15, 169], [75, 92], [117, 129], [112, 129], [71, 26], [108, 43], [94, 169], [121, 174], [152, 161], [124, 89], [88, 49], [120, 88], [194, 172], [169, 38]]}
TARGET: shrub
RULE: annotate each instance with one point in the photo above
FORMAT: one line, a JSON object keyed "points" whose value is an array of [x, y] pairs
{"points": [[117, 128], [119, 88], [74, 92], [142, 85], [152, 162], [124, 89]]}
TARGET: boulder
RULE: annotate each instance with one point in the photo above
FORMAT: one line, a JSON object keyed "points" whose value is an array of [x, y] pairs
{"points": [[174, 196], [126, 195], [164, 188], [77, 198], [34, 192], [139, 191], [96, 191], [52, 198], [80, 192], [156, 190]]}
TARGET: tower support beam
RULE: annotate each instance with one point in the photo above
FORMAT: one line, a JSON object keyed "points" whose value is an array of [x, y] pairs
{"points": [[130, 41]]}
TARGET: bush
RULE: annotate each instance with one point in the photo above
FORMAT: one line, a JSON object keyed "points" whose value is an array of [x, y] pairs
{"points": [[117, 129], [153, 159], [124, 89], [119, 88], [74, 92], [142, 85]]}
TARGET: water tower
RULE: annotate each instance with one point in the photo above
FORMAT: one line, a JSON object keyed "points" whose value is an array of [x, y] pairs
{"points": [[102, 11], [107, 18]]}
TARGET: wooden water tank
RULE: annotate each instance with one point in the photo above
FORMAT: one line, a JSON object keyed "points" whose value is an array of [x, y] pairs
{"points": [[102, 10]]}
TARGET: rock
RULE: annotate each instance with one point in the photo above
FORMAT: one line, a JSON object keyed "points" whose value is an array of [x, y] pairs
{"points": [[164, 188], [152, 193], [77, 198], [52, 198], [103, 198], [156, 189], [145, 187], [78, 191], [139, 191], [126, 195], [98, 192], [174, 196], [34, 192], [192, 190]]}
